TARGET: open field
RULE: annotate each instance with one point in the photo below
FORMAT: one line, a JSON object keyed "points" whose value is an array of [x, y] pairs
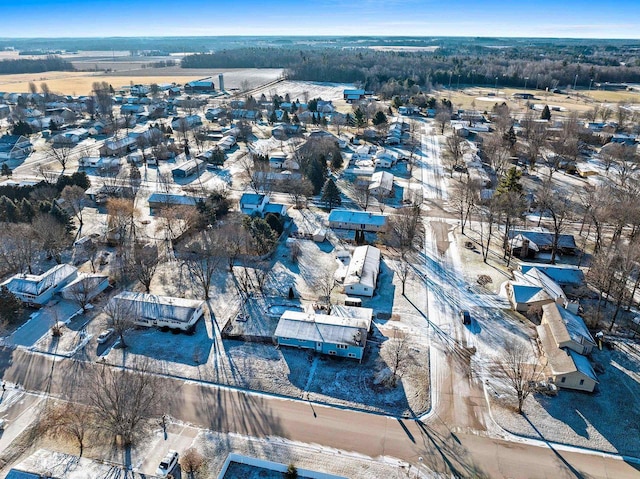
{"points": [[475, 98], [79, 83]]}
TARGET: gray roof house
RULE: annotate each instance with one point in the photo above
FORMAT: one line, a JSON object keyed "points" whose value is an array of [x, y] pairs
{"points": [[362, 273], [38, 289], [162, 311], [343, 333], [564, 339], [14, 147], [357, 220]]}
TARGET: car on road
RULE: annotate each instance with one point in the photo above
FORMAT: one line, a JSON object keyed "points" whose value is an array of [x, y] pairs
{"points": [[465, 316], [3, 424], [167, 464], [105, 335]]}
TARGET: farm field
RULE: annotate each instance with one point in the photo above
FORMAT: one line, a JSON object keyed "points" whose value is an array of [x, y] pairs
{"points": [[80, 83]]}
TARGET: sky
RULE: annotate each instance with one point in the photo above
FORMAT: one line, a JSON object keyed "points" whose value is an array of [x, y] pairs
{"points": [[499, 18]]}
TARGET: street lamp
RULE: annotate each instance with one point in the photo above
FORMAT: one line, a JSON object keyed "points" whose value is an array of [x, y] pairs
{"points": [[496, 86], [590, 82], [458, 81], [526, 79], [450, 75]]}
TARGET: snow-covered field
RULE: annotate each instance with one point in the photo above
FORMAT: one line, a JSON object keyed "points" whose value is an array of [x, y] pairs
{"points": [[299, 90]]}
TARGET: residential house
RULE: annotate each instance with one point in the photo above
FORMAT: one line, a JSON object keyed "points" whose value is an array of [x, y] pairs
{"points": [[357, 220], [381, 184], [162, 311], [277, 159], [159, 202], [362, 272], [85, 287], [37, 290], [14, 147], [188, 168], [565, 340], [563, 274], [342, 333], [259, 204], [530, 243], [186, 123], [118, 147]]}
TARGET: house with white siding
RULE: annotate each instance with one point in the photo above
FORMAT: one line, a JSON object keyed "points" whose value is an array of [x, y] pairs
{"points": [[37, 290], [151, 310], [357, 220], [362, 272]]}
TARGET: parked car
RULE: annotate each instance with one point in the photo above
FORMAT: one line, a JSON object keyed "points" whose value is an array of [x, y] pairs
{"points": [[167, 464], [105, 335], [465, 316]]}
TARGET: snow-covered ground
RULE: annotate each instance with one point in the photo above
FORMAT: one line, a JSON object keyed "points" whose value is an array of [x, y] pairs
{"points": [[606, 420]]}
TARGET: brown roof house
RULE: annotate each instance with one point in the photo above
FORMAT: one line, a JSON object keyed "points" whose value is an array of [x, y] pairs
{"points": [[565, 341]]}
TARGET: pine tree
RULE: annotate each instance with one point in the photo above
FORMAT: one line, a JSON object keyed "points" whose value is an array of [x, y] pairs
{"points": [[380, 118], [10, 306], [5, 170], [510, 182], [330, 194], [546, 113]]}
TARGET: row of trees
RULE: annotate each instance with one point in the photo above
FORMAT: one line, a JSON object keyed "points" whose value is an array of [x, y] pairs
{"points": [[23, 65]]}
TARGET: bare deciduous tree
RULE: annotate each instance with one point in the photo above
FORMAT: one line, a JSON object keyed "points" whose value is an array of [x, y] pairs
{"points": [[464, 199], [123, 400], [121, 316], [202, 258], [69, 420], [192, 462], [74, 202], [146, 259], [522, 369]]}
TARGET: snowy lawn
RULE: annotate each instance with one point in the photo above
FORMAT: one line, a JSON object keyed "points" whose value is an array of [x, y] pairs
{"points": [[605, 420]]}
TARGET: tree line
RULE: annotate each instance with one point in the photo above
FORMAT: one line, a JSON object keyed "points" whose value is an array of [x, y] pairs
{"points": [[467, 66], [23, 65]]}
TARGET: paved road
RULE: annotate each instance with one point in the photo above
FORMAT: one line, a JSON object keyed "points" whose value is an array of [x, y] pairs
{"points": [[461, 452]]}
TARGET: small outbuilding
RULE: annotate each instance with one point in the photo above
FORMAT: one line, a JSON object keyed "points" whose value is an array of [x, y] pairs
{"points": [[362, 273]]}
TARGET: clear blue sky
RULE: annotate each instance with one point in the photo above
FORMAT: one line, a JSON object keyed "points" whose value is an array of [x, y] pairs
{"points": [[540, 18]]}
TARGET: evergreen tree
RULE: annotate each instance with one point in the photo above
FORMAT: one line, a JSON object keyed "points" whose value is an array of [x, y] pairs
{"points": [[546, 113], [331, 194], [285, 117], [5, 170], [510, 183], [380, 118], [360, 120], [273, 118], [316, 172], [10, 306], [21, 128], [336, 162], [510, 137], [295, 120]]}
